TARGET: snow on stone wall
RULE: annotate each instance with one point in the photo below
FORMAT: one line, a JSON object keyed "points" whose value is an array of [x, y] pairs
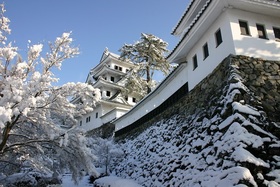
{"points": [[225, 132]]}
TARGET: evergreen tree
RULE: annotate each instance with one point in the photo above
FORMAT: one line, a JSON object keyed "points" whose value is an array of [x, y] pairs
{"points": [[148, 54]]}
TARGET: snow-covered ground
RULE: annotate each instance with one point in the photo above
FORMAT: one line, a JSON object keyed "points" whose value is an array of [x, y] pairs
{"points": [[68, 182], [110, 181]]}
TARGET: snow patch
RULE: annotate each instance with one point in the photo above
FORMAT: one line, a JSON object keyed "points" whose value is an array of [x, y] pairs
{"points": [[113, 181]]}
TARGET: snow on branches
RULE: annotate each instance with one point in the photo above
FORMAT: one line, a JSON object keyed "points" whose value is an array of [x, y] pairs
{"points": [[31, 108], [148, 54]]}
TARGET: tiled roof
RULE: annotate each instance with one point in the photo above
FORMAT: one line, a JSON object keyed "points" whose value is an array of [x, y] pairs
{"points": [[192, 2], [185, 13], [194, 21], [200, 13]]}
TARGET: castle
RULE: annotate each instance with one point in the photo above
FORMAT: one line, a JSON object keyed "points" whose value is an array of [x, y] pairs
{"points": [[209, 31], [108, 76]]}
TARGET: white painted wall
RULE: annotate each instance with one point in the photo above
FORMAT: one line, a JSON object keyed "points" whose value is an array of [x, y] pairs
{"points": [[94, 122], [124, 66], [233, 43], [187, 74], [113, 114], [216, 54], [130, 100], [170, 86], [253, 45]]}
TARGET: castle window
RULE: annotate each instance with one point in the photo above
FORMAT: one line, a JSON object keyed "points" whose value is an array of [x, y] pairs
{"points": [[134, 100], [205, 51], [81, 122], [108, 93], [276, 33], [88, 119], [116, 67], [126, 98], [261, 31], [218, 36], [194, 62], [96, 115], [244, 29], [120, 68], [113, 79]]}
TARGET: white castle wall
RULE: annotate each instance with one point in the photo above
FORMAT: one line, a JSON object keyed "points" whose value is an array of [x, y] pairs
{"points": [[253, 45], [233, 43], [171, 85]]}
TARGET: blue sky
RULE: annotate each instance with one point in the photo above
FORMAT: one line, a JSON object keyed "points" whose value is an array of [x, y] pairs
{"points": [[95, 24]]}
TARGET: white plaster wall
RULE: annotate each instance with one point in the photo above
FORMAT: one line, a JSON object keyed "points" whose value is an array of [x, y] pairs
{"points": [[94, 122], [105, 108], [193, 77], [153, 101], [130, 100], [216, 54], [104, 91], [124, 66], [113, 115], [233, 43], [253, 45]]}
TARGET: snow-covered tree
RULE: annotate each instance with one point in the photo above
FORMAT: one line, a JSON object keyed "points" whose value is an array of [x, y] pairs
{"points": [[31, 107], [148, 54], [106, 150]]}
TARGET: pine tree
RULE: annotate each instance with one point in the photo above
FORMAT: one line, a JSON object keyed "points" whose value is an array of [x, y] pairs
{"points": [[148, 54]]}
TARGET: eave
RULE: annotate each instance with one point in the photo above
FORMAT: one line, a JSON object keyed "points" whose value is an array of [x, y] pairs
{"points": [[105, 69], [113, 110], [110, 56], [191, 35], [101, 82], [115, 104], [211, 10], [192, 9]]}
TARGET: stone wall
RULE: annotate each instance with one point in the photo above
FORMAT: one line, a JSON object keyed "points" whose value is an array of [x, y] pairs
{"points": [[191, 103], [263, 79], [260, 76], [226, 129]]}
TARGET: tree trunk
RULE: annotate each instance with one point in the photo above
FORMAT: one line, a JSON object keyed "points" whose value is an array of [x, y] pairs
{"points": [[148, 79], [6, 132], [5, 135]]}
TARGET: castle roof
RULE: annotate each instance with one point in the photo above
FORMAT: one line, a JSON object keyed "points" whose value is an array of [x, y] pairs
{"points": [[107, 56], [209, 10]]}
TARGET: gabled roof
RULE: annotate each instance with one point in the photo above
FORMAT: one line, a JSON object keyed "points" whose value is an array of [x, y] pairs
{"points": [[106, 56], [109, 55]]}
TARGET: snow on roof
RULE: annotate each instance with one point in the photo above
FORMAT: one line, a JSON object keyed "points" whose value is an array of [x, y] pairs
{"points": [[182, 17], [188, 29], [236, 3]]}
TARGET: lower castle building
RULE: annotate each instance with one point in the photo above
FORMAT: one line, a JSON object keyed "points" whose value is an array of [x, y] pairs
{"points": [[209, 31]]}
